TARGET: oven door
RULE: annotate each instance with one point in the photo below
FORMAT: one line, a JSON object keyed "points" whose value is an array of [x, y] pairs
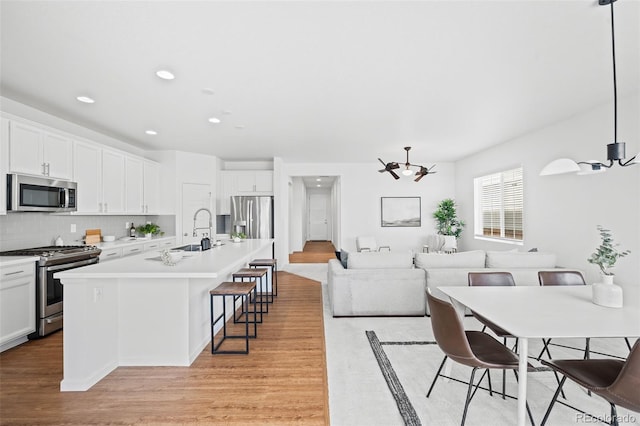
{"points": [[50, 291]]}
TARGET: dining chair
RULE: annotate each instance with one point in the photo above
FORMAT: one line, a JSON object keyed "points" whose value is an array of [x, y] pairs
{"points": [[367, 243], [474, 349], [616, 381], [489, 279], [565, 278]]}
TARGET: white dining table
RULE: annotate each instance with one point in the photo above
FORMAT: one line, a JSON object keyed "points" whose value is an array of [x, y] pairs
{"points": [[530, 312]]}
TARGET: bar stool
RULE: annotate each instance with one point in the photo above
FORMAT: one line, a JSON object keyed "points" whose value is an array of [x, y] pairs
{"points": [[235, 290], [253, 274], [273, 264]]}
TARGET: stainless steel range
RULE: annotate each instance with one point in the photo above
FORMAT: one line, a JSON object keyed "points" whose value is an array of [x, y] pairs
{"points": [[48, 289]]}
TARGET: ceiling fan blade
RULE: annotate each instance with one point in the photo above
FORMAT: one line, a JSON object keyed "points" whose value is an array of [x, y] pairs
{"points": [[419, 177], [394, 174], [393, 166], [383, 163], [382, 171]]}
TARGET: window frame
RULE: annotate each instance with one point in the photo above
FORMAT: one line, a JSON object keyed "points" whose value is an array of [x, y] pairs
{"points": [[478, 231]]}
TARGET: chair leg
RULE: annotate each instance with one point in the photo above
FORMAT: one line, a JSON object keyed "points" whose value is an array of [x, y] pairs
{"points": [[553, 400], [515, 373], [614, 415], [489, 381], [545, 349], [468, 399], [626, 339], [437, 375], [587, 354]]}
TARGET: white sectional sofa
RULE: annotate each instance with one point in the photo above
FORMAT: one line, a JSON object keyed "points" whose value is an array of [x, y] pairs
{"points": [[376, 284], [394, 283]]}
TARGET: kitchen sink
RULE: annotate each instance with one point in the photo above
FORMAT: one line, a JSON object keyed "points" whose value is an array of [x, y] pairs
{"points": [[189, 247]]}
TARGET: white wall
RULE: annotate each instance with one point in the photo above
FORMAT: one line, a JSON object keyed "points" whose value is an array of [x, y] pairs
{"points": [[561, 212], [297, 214], [361, 187]]}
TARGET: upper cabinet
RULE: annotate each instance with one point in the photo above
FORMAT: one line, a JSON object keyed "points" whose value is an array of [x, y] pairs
{"points": [[113, 182], [36, 151], [151, 187], [242, 182], [134, 185], [87, 172]]}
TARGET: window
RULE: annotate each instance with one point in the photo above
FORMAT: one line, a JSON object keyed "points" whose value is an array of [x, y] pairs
{"points": [[499, 201]]}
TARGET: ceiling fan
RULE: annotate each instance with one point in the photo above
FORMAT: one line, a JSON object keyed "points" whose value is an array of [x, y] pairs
{"points": [[390, 167]]}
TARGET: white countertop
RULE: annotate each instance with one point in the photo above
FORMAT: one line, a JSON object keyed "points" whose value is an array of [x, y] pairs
{"points": [[124, 242], [206, 264], [6, 261]]}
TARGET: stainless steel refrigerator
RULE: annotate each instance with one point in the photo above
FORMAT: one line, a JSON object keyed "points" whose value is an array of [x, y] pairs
{"points": [[252, 215]]}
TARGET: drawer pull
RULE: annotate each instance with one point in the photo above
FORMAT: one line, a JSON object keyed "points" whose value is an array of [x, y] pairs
{"points": [[111, 254], [13, 273]]}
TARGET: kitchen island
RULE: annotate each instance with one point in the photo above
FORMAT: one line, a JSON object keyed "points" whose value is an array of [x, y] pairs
{"points": [[137, 311]]}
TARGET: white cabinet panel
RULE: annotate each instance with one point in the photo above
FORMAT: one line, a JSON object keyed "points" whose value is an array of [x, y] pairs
{"points": [[25, 150], [134, 185], [57, 154], [113, 182], [264, 182], [87, 172], [110, 254], [242, 182], [17, 301], [245, 182], [36, 151], [134, 249], [151, 187]]}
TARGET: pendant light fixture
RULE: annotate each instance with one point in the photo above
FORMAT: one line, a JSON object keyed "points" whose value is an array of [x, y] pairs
{"points": [[616, 150]]}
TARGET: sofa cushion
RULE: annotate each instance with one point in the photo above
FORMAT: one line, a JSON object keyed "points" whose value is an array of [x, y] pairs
{"points": [[465, 259], [380, 260], [510, 259]]}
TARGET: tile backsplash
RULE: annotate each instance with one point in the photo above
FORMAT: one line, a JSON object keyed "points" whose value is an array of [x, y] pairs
{"points": [[23, 230]]}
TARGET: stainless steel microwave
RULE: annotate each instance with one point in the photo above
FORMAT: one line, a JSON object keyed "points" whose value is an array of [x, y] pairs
{"points": [[40, 194]]}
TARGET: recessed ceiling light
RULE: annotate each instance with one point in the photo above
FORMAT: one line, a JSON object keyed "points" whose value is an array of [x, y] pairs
{"points": [[214, 120], [151, 132], [226, 112], [318, 180], [165, 75], [318, 185], [207, 91], [240, 126], [85, 99]]}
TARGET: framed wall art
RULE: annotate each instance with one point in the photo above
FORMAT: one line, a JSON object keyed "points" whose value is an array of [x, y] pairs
{"points": [[400, 211]]}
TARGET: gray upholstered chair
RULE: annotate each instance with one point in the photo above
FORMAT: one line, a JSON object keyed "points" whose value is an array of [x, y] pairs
{"points": [[368, 243]]}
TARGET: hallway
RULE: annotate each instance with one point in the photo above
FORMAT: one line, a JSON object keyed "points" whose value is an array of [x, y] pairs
{"points": [[314, 252]]}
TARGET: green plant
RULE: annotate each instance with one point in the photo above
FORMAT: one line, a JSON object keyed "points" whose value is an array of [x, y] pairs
{"points": [[447, 222], [239, 235], [606, 255], [149, 228]]}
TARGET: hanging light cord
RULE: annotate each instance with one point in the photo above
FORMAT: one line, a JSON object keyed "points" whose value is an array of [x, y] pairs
{"points": [[615, 86]]}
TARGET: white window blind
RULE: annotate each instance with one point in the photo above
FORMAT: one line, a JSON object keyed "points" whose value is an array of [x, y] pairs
{"points": [[500, 203]]}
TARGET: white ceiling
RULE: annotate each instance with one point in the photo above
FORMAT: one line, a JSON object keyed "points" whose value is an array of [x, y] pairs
{"points": [[323, 81]]}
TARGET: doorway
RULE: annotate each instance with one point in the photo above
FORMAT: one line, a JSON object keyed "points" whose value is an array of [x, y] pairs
{"points": [[318, 214]]}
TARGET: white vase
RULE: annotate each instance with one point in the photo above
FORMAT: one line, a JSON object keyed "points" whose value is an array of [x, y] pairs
{"points": [[450, 243], [607, 293]]}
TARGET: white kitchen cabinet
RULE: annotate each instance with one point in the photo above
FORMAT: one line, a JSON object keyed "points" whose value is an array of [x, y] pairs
{"points": [[167, 244], [17, 303], [4, 163], [113, 182], [134, 200], [254, 182], [153, 245], [35, 151], [151, 188], [133, 249], [241, 182], [87, 172], [110, 254]]}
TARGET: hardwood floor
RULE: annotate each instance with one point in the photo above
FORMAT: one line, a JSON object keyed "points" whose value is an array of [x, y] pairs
{"points": [[283, 380], [314, 252]]}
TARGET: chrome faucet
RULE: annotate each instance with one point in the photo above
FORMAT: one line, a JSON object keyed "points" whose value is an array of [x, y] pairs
{"points": [[195, 215]]}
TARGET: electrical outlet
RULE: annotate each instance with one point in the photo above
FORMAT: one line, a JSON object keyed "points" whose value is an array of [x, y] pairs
{"points": [[97, 294], [73, 228], [126, 225]]}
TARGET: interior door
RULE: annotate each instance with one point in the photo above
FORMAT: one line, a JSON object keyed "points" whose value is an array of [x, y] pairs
{"points": [[194, 197], [318, 216]]}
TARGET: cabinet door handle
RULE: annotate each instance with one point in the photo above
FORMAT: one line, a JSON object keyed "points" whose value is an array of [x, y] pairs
{"points": [[13, 273], [100, 207], [48, 168], [44, 169], [105, 207], [111, 254], [132, 250]]}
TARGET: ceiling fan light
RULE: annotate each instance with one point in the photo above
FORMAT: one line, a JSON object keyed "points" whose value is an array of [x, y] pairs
{"points": [[407, 172], [560, 166], [591, 167]]}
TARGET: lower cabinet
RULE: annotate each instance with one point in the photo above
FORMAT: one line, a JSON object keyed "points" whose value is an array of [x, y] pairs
{"points": [[128, 250], [17, 304]]}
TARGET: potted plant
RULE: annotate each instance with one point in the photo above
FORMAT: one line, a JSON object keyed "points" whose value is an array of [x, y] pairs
{"points": [[606, 255], [149, 230], [447, 222], [237, 236]]}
